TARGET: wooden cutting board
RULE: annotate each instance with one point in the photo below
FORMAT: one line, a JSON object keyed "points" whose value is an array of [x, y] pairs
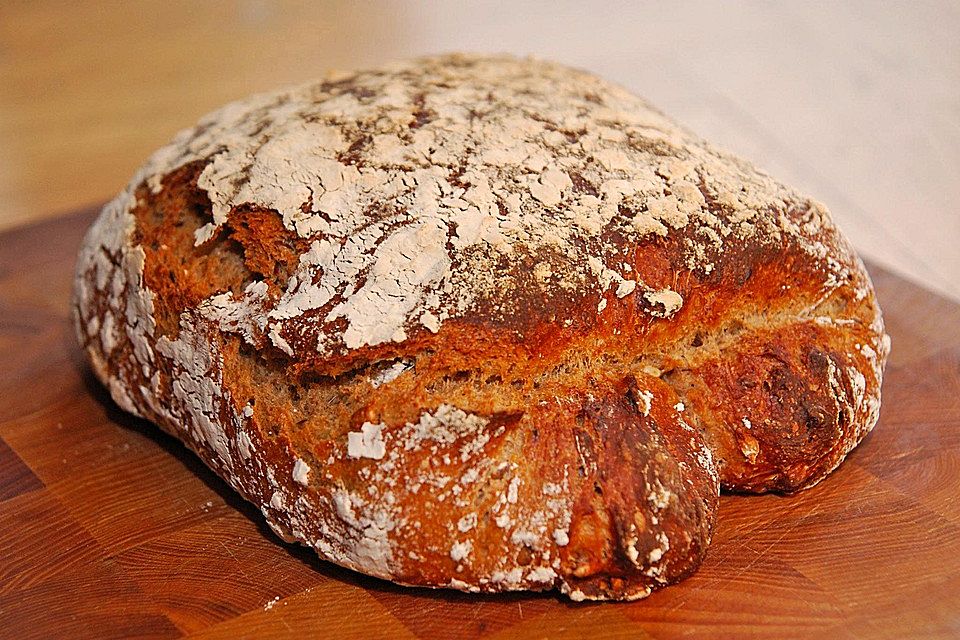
{"points": [[109, 528]]}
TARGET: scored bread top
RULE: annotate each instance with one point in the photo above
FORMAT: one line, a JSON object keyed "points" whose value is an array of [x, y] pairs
{"points": [[324, 290], [433, 189]]}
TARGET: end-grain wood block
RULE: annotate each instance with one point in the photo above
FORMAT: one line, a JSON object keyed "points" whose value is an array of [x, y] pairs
{"points": [[15, 476], [253, 569]]}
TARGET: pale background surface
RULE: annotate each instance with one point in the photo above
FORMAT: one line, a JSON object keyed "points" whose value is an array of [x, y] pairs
{"points": [[856, 103]]}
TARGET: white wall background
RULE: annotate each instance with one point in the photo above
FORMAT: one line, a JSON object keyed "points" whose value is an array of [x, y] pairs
{"points": [[856, 103]]}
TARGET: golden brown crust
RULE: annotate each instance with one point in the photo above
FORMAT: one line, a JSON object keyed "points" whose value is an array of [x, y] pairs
{"points": [[529, 364]]}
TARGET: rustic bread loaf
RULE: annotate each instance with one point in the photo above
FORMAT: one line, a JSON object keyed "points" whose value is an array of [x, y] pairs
{"points": [[481, 323]]}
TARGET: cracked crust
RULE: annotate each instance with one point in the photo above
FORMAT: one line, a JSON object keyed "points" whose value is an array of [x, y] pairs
{"points": [[483, 323]]}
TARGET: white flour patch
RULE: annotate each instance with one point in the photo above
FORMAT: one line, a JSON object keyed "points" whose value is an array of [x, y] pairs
{"points": [[406, 222]]}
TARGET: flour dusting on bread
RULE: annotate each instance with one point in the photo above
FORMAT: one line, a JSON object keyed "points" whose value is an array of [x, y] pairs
{"points": [[412, 190], [481, 322]]}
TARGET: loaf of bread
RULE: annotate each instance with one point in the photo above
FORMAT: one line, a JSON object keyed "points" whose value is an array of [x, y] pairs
{"points": [[481, 323]]}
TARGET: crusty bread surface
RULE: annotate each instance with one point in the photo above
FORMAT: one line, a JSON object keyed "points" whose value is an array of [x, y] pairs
{"points": [[481, 322]]}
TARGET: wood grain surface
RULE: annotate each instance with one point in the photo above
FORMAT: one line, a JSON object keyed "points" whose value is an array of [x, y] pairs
{"points": [[109, 528]]}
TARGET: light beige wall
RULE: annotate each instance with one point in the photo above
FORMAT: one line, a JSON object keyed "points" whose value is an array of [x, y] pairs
{"points": [[857, 103]]}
